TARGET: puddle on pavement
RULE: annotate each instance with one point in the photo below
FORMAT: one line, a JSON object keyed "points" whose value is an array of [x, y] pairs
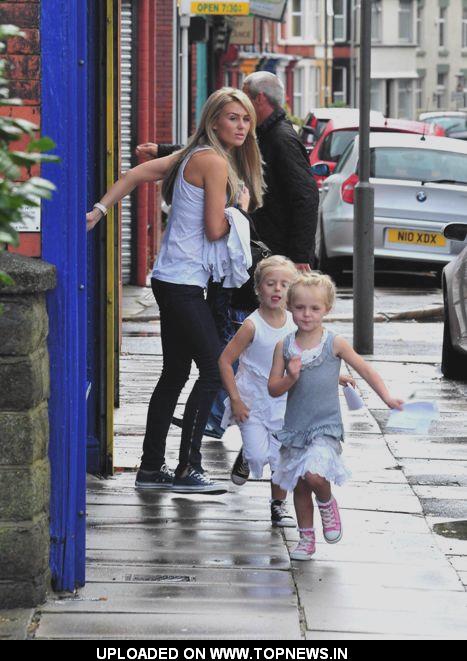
{"points": [[453, 529]]}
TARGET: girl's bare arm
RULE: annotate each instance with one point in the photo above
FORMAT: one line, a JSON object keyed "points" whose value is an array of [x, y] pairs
{"points": [[343, 349], [281, 381], [150, 171], [237, 345]]}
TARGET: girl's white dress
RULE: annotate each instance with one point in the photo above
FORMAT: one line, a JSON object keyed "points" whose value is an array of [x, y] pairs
{"points": [[266, 412], [311, 439]]}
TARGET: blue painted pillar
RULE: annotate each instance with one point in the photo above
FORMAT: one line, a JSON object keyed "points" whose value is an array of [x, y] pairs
{"points": [[64, 118]]}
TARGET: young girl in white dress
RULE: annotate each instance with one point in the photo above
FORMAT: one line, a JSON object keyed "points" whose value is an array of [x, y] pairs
{"points": [[306, 364], [250, 406]]}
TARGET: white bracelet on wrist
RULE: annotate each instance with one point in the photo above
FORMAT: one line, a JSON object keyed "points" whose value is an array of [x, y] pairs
{"points": [[103, 209]]}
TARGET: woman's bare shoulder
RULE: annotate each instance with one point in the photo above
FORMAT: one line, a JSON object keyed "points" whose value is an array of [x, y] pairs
{"points": [[208, 159]]}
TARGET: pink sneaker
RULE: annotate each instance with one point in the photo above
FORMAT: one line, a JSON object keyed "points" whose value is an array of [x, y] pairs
{"points": [[332, 527], [305, 547]]}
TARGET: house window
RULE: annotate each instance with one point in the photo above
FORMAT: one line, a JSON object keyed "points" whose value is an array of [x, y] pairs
{"points": [[297, 18], [441, 90], [315, 88], [316, 18], [442, 27], [464, 27], [376, 95], [339, 21], [339, 87], [405, 99], [376, 20], [405, 20], [420, 94], [298, 92], [419, 26]]}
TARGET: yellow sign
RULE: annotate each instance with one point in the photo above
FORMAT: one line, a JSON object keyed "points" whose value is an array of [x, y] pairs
{"points": [[417, 238], [221, 8]]}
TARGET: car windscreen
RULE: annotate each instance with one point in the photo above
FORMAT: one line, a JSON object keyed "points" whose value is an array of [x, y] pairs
{"points": [[418, 164], [335, 144]]}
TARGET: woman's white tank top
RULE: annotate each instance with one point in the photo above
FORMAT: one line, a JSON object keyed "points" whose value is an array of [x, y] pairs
{"points": [[180, 259]]}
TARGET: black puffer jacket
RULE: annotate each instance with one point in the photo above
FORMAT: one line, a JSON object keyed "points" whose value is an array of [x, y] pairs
{"points": [[287, 220]]}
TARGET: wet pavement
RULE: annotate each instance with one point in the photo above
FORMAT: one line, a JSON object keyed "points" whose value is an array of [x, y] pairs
{"points": [[170, 566]]}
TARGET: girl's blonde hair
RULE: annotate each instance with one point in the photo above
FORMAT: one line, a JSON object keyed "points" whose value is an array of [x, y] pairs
{"points": [[244, 163], [271, 264], [315, 279]]}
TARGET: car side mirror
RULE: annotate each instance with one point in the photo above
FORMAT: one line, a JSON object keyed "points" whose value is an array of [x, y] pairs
{"points": [[456, 231], [321, 170], [308, 129]]}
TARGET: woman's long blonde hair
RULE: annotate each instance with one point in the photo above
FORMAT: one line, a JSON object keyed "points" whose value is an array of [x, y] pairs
{"points": [[244, 163]]}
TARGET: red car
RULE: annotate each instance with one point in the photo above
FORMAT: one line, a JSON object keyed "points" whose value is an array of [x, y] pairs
{"points": [[337, 135]]}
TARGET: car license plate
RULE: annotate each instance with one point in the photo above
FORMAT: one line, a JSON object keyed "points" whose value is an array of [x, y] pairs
{"points": [[417, 238]]}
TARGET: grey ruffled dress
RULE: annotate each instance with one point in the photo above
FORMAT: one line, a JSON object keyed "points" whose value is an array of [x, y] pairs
{"points": [[312, 435]]}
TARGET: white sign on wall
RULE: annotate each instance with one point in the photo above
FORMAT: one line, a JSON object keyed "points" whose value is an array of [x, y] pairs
{"points": [[31, 220], [271, 9]]}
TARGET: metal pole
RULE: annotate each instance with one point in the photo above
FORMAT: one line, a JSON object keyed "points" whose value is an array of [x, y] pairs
{"points": [[326, 95], [363, 260], [184, 25]]}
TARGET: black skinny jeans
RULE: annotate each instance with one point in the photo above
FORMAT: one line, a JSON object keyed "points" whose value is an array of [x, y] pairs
{"points": [[188, 333]]}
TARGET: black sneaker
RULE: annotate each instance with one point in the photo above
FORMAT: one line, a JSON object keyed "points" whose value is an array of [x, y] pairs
{"points": [[280, 518], [195, 482], [208, 431], [240, 470], [161, 479]]}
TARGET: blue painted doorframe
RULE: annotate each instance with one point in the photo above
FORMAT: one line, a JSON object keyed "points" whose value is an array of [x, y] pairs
{"points": [[64, 118]]}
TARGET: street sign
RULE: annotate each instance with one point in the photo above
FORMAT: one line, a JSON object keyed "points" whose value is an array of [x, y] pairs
{"points": [[271, 9], [220, 8]]}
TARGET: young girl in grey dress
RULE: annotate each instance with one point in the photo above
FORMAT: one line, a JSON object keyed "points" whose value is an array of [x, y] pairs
{"points": [[307, 365]]}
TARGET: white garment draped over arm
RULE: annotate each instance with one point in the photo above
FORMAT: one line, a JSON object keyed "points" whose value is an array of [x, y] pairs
{"points": [[230, 257]]}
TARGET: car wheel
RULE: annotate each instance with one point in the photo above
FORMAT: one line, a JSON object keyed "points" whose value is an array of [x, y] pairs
{"points": [[453, 362], [330, 266]]}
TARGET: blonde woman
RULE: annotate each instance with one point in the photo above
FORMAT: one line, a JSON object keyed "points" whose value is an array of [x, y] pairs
{"points": [[199, 181]]}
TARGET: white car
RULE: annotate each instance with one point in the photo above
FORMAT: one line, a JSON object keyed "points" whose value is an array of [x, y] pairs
{"points": [[420, 184]]}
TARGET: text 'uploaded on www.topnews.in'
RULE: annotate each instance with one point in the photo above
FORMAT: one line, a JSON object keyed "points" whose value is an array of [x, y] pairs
{"points": [[299, 653]]}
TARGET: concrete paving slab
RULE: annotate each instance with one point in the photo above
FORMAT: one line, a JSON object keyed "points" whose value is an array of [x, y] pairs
{"points": [[402, 623], [280, 624], [345, 635], [201, 575], [15, 623], [435, 472], [333, 575], [192, 557], [452, 448], [178, 599]]}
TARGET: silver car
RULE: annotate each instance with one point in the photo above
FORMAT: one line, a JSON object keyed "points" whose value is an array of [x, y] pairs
{"points": [[420, 184], [454, 356]]}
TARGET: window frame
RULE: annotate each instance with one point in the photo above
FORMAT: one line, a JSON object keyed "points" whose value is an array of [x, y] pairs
{"points": [[405, 9], [343, 19]]}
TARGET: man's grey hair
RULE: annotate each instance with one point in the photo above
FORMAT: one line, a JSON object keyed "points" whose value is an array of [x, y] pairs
{"points": [[268, 83]]}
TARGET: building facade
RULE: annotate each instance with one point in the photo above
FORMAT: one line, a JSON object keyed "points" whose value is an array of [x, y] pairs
{"points": [[441, 54]]}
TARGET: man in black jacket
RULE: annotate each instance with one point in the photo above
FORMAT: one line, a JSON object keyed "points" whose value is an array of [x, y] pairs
{"points": [[288, 218]]}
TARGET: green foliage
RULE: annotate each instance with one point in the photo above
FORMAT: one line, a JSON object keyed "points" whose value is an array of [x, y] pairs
{"points": [[16, 194]]}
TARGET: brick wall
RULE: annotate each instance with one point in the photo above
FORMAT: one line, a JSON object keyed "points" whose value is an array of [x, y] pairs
{"points": [[164, 74], [24, 56]]}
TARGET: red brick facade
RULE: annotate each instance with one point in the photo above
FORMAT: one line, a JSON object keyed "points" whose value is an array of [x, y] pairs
{"points": [[24, 56]]}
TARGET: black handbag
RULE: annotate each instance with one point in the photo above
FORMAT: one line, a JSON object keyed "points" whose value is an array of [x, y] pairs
{"points": [[244, 298]]}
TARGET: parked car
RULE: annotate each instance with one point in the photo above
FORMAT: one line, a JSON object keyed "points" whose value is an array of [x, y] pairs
{"points": [[317, 119], [452, 121], [338, 134], [420, 184], [454, 356]]}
